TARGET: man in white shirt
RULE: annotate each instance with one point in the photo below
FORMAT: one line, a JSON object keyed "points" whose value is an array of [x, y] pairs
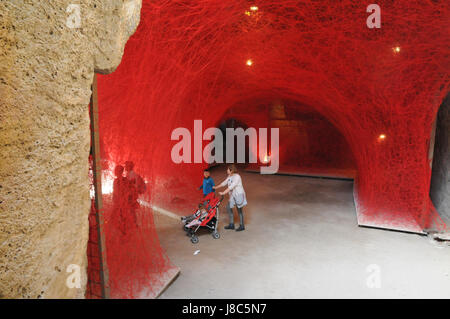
{"points": [[237, 196]]}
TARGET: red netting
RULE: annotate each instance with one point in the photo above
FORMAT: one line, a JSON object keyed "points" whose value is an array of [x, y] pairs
{"points": [[188, 60], [135, 263], [94, 282]]}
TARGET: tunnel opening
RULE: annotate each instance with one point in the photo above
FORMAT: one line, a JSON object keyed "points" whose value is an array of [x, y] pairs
{"points": [[233, 123], [309, 145], [440, 178]]}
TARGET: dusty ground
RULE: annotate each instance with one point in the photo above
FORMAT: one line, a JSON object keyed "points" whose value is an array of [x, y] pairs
{"points": [[302, 241]]}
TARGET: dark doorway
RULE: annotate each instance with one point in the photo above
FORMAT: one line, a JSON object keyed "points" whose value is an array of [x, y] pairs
{"points": [[235, 124], [440, 186]]}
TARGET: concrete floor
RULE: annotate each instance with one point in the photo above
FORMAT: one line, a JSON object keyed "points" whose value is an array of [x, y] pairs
{"points": [[302, 241]]}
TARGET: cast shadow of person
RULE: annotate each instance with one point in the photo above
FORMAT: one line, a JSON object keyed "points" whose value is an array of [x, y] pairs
{"points": [[126, 191]]}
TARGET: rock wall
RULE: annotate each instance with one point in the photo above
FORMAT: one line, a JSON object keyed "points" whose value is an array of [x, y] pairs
{"points": [[49, 51], [440, 181]]}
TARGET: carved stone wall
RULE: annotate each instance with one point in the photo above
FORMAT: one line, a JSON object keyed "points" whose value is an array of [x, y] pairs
{"points": [[49, 51]]}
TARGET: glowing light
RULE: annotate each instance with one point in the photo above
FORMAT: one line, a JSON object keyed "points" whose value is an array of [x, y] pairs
{"points": [[266, 159], [397, 49], [253, 9], [382, 137], [92, 192], [249, 62], [107, 182]]}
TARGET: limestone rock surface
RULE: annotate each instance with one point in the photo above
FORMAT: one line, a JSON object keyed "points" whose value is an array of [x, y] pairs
{"points": [[49, 51]]}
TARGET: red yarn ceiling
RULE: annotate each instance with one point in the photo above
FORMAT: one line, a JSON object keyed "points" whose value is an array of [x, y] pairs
{"points": [[188, 60]]}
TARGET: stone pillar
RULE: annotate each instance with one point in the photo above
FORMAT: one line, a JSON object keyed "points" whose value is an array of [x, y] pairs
{"points": [[440, 180], [49, 51]]}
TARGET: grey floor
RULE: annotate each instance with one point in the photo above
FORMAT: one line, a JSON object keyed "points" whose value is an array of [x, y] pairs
{"points": [[302, 241]]}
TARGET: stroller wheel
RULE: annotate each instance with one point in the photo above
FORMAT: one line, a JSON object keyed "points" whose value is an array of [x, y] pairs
{"points": [[194, 239], [216, 235]]}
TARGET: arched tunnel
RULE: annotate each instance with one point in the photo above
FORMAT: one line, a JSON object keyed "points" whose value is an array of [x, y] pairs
{"points": [[355, 107], [371, 93]]}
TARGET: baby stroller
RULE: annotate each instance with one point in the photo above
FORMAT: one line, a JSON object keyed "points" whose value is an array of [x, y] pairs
{"points": [[206, 216]]}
